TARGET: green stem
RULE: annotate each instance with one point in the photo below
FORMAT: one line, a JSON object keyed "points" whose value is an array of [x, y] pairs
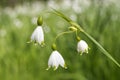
{"points": [[90, 37], [62, 34], [102, 49], [94, 41]]}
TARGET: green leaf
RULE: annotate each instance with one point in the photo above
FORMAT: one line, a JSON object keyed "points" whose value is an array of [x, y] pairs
{"points": [[62, 15], [102, 49], [90, 37]]}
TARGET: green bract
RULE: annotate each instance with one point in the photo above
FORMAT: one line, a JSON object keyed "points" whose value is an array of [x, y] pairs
{"points": [[54, 46], [39, 21]]}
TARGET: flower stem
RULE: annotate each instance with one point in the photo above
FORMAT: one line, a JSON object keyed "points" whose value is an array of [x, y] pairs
{"points": [[85, 33], [95, 42], [66, 32]]}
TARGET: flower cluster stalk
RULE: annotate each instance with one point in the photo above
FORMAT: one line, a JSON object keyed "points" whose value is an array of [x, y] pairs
{"points": [[72, 23]]}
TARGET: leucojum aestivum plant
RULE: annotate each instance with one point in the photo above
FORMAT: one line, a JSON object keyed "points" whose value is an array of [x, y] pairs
{"points": [[56, 58]]}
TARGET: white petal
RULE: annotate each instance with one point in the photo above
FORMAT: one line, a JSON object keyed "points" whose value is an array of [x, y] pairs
{"points": [[53, 60], [38, 35], [56, 59], [82, 46], [60, 59]]}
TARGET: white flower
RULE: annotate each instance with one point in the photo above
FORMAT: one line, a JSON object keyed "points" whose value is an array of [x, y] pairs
{"points": [[82, 47], [38, 35], [55, 60]]}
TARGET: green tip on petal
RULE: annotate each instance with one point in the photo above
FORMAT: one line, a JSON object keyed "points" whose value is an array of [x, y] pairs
{"points": [[86, 51], [81, 53], [35, 43], [42, 44], [39, 21], [54, 68], [54, 46], [29, 42], [65, 66], [48, 68]]}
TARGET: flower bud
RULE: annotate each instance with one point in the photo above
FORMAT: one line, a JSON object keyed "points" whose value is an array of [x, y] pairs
{"points": [[39, 21]]}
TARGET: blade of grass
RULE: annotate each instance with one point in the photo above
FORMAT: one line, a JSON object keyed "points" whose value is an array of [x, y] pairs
{"points": [[102, 49], [61, 15]]}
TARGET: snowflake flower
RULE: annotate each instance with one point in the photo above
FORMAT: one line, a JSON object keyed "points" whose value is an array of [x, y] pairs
{"points": [[38, 35], [82, 47], [55, 60]]}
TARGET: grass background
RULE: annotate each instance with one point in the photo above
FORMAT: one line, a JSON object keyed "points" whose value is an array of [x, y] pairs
{"points": [[22, 61]]}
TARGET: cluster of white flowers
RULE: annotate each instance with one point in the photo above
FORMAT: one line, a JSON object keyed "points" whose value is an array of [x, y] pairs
{"points": [[55, 58]]}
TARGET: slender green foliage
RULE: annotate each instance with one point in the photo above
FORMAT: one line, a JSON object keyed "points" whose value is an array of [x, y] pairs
{"points": [[90, 37]]}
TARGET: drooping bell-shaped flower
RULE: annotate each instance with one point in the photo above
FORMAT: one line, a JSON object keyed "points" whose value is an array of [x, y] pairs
{"points": [[55, 60], [38, 35], [82, 47]]}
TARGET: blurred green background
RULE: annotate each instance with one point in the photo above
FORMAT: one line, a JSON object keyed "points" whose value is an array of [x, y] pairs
{"points": [[22, 61]]}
